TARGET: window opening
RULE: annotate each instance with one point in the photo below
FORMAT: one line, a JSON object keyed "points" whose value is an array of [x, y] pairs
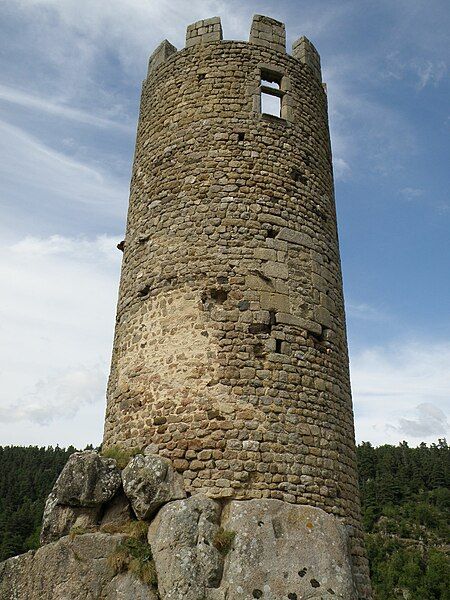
{"points": [[278, 346], [271, 93]]}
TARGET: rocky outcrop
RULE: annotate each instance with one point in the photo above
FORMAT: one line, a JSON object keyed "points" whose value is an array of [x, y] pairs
{"points": [[182, 541], [59, 520], [284, 550], [86, 483], [198, 547], [70, 569], [87, 479], [149, 482]]}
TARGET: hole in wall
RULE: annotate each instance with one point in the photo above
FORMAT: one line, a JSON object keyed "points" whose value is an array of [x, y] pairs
{"points": [[314, 583], [259, 328], [121, 246], [218, 295], [258, 351], [302, 572], [201, 76], [271, 234], [299, 177], [278, 346], [144, 291], [241, 136], [257, 594]]}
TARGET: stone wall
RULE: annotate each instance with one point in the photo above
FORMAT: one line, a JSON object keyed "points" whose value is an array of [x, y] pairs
{"points": [[230, 353]]}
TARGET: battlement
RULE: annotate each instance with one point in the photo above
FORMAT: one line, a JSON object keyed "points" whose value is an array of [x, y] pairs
{"points": [[264, 32]]}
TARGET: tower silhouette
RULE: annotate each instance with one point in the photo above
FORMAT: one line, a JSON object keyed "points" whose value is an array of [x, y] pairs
{"points": [[230, 352]]}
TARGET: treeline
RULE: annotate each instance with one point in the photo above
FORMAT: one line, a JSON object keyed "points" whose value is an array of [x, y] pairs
{"points": [[406, 507], [405, 503], [26, 477]]}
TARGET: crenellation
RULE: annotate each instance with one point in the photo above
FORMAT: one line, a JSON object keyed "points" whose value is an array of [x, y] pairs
{"points": [[305, 52], [202, 32], [160, 55]]}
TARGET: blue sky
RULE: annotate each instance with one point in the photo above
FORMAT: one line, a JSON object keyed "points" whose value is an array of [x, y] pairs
{"points": [[70, 80]]}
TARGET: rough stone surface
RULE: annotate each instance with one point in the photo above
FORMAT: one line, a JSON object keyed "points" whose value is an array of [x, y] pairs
{"points": [[59, 520], [117, 512], [64, 570], [285, 551], [126, 586], [87, 479], [150, 481], [232, 230], [182, 541]]}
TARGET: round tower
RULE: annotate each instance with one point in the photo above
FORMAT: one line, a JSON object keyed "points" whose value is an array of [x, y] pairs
{"points": [[230, 352]]}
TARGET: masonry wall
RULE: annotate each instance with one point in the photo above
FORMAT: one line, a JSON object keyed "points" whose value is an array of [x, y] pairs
{"points": [[230, 352]]}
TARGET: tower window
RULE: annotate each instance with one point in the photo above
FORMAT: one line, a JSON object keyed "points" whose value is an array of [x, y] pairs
{"points": [[271, 93]]}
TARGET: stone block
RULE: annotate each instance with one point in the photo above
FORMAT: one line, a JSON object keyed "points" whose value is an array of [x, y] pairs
{"points": [[202, 32], [160, 55], [281, 550], [295, 237], [268, 32]]}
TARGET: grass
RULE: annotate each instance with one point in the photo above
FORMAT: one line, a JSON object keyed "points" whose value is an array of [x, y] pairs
{"points": [[223, 540], [122, 456], [133, 554]]}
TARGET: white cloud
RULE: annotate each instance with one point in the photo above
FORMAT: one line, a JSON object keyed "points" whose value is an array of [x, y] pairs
{"points": [[56, 325], [430, 421], [35, 174], [366, 312], [400, 391], [411, 193], [58, 109]]}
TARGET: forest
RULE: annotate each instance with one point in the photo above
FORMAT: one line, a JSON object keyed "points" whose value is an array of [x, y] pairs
{"points": [[405, 505]]}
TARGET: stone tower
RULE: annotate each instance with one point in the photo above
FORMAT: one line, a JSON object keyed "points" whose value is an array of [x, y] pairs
{"points": [[230, 352]]}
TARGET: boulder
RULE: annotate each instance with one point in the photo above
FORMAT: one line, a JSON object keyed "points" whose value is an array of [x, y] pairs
{"points": [[117, 512], [87, 479], [182, 541], [127, 586], [69, 569], [59, 520], [284, 550], [149, 482]]}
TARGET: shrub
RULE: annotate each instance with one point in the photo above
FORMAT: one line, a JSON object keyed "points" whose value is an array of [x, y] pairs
{"points": [[223, 540]]}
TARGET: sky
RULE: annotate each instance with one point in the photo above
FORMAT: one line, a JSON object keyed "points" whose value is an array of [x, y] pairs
{"points": [[70, 77]]}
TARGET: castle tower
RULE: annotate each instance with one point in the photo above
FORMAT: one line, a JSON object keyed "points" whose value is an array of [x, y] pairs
{"points": [[230, 352]]}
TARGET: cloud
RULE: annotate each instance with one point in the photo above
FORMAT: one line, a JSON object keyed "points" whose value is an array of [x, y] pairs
{"points": [[400, 391], [39, 182], [411, 193], [430, 421], [56, 325], [53, 108], [58, 397], [366, 312]]}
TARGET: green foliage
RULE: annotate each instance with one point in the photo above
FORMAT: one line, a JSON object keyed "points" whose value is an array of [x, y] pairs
{"points": [[135, 555], [122, 456], [406, 508], [223, 540], [405, 504], [26, 477]]}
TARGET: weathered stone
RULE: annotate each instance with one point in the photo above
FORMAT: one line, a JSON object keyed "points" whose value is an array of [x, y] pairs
{"points": [[58, 520], [127, 586], [182, 541], [283, 549], [87, 480], [117, 512], [69, 569], [150, 481]]}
